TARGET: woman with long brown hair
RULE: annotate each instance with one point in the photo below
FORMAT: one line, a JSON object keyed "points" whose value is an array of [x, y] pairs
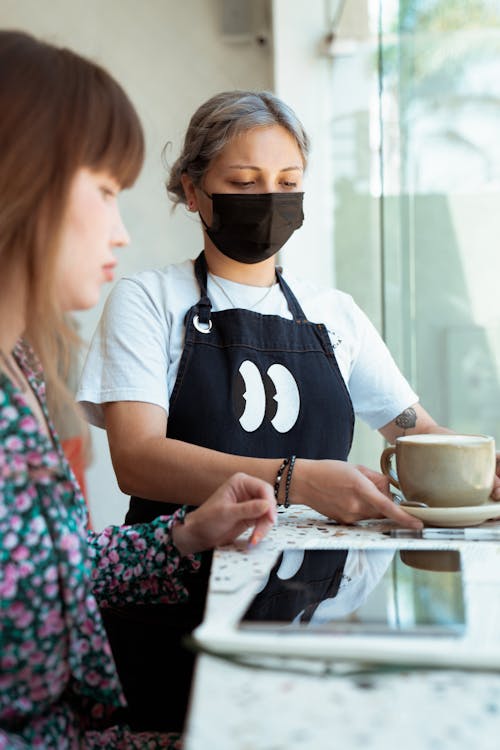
{"points": [[71, 140]]}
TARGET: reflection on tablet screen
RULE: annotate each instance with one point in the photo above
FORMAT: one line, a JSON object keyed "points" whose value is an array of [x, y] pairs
{"points": [[355, 591]]}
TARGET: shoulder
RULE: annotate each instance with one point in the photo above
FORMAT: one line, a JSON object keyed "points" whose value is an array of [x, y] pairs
{"points": [[157, 287], [158, 277], [326, 304]]}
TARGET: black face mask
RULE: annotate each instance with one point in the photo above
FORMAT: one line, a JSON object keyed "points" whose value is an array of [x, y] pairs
{"points": [[251, 227]]}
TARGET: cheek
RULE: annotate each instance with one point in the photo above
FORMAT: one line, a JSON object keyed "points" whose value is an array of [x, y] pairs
{"points": [[78, 280], [63, 278], [205, 208]]}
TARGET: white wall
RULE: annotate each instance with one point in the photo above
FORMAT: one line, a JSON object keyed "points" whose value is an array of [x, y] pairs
{"points": [[169, 56]]}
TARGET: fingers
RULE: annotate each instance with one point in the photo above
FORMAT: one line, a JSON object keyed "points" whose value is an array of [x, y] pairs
{"points": [[380, 498], [389, 509], [381, 481], [364, 498], [253, 509], [256, 513], [495, 493], [262, 527], [375, 476], [240, 488], [261, 509], [246, 487], [397, 514], [254, 498]]}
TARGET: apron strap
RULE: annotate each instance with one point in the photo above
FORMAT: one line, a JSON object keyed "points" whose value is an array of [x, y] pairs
{"points": [[299, 316], [204, 304], [292, 301]]}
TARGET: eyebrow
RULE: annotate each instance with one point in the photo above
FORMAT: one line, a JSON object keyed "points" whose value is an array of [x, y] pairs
{"points": [[258, 169]]}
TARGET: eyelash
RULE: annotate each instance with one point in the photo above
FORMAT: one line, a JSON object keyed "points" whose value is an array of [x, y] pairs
{"points": [[107, 192], [285, 183]]}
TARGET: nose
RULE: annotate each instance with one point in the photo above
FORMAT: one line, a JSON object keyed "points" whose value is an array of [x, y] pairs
{"points": [[119, 236], [268, 184]]}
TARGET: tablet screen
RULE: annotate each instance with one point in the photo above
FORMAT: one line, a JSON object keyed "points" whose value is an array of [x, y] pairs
{"points": [[359, 591]]}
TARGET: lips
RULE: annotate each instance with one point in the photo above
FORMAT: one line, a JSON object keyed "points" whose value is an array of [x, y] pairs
{"points": [[108, 271]]}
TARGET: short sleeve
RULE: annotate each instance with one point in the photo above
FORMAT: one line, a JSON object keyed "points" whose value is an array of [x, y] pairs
{"points": [[378, 389], [128, 356]]}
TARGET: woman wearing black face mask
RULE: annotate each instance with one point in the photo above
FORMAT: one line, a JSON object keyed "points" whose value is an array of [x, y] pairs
{"points": [[240, 366]]}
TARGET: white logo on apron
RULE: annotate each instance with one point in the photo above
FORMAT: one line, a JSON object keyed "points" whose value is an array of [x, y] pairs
{"points": [[256, 396]]}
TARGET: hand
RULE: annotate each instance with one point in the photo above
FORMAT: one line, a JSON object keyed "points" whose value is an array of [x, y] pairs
{"points": [[347, 493], [381, 481], [240, 503], [495, 492]]}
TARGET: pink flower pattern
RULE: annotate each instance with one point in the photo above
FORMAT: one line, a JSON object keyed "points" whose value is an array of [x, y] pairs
{"points": [[58, 682]]}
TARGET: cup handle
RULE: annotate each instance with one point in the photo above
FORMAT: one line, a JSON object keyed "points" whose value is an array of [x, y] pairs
{"points": [[386, 467]]}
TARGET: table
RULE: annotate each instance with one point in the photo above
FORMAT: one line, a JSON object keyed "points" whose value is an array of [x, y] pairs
{"points": [[238, 707]]}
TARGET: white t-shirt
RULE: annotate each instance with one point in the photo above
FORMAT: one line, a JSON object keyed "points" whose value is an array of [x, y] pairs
{"points": [[137, 347], [363, 570]]}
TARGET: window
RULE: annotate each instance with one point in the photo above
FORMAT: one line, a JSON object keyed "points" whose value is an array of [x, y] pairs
{"points": [[416, 165]]}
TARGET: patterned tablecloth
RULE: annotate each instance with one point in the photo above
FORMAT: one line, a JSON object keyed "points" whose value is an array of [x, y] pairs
{"points": [[281, 704]]}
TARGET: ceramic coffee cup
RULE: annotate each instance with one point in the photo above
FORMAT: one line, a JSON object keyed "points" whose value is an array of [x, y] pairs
{"points": [[442, 470], [442, 560]]}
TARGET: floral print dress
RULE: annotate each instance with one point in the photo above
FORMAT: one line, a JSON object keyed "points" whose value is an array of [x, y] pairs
{"points": [[58, 683]]}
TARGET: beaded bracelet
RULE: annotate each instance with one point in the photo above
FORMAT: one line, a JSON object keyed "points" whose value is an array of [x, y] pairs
{"points": [[291, 464], [279, 477]]}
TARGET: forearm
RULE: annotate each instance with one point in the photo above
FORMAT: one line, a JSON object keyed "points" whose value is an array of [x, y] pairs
{"points": [[130, 563], [174, 471], [412, 421]]}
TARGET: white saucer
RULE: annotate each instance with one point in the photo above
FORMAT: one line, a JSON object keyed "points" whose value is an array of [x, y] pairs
{"points": [[469, 515]]}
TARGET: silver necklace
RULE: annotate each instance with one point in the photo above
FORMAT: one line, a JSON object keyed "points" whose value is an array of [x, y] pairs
{"points": [[231, 302]]}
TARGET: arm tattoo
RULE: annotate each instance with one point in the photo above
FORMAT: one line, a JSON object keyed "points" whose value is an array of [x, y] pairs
{"points": [[407, 419]]}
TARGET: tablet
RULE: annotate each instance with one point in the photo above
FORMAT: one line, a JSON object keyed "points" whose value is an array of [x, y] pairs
{"points": [[402, 592], [435, 605]]}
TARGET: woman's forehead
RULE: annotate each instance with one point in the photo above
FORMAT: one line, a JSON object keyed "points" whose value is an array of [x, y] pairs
{"points": [[262, 147]]}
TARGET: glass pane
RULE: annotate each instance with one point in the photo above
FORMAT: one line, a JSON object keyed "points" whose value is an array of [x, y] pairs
{"points": [[440, 107], [354, 87]]}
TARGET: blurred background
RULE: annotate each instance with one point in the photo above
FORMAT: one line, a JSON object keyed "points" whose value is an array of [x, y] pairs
{"points": [[401, 99]]}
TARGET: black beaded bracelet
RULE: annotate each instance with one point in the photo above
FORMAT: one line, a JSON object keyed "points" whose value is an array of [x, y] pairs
{"points": [[279, 476], [291, 464]]}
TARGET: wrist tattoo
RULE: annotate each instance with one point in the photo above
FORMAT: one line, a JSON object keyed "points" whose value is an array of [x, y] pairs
{"points": [[407, 419]]}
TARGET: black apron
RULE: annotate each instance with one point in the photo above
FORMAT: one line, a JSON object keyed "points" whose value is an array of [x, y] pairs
{"points": [[251, 385], [317, 579]]}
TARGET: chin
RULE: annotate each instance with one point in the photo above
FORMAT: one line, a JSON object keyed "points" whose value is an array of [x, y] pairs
{"points": [[91, 301], [84, 301]]}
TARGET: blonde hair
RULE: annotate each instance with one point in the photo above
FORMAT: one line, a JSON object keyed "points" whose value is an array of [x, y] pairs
{"points": [[218, 121], [60, 112]]}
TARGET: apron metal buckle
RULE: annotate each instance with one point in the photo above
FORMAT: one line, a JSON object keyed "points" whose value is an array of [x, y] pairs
{"points": [[202, 327]]}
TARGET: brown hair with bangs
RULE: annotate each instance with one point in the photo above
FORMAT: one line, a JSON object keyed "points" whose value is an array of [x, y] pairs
{"points": [[59, 112]]}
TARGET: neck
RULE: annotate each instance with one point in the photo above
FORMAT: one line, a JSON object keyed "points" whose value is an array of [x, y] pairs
{"points": [[12, 315], [253, 274]]}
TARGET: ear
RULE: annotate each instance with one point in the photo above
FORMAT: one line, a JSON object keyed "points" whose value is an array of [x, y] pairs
{"points": [[189, 192]]}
